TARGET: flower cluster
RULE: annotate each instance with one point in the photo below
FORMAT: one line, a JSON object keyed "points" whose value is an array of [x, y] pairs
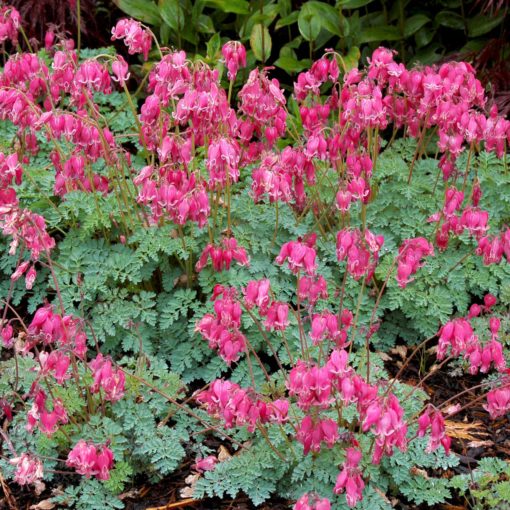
{"points": [[361, 251], [222, 329], [222, 256], [91, 460], [238, 408]]}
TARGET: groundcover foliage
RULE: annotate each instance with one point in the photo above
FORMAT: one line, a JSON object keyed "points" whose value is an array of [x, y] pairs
{"points": [[187, 258]]}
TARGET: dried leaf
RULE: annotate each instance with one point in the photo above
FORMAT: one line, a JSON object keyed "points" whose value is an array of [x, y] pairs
{"points": [[223, 454], [47, 504], [401, 350]]}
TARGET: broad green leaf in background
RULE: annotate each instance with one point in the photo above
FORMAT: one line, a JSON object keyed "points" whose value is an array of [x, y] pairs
{"points": [[449, 19], [351, 59], [144, 10], [424, 36], [309, 23], [234, 6], [481, 25], [330, 18], [414, 23], [291, 64], [354, 4], [172, 13], [385, 33], [287, 20], [213, 46], [260, 42]]}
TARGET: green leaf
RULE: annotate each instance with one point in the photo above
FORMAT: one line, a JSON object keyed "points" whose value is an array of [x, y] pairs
{"points": [[144, 10], [292, 65], [213, 46], [172, 13], [350, 61], [330, 18], [354, 4], [481, 25], [234, 6], [205, 24], [309, 23], [414, 23], [449, 19], [260, 42], [384, 33], [288, 20], [424, 36]]}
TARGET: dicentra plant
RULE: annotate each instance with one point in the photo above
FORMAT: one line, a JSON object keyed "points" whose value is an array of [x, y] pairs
{"points": [[145, 222]]}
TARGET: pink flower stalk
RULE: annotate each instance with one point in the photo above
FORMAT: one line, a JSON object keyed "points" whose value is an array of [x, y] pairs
{"points": [[48, 421], [222, 329], [491, 249], [10, 21], [458, 335], [29, 469], [410, 258], [256, 294], [299, 255], [433, 419], [7, 334], [234, 54], [277, 316], [312, 385], [223, 162], [498, 402], [205, 464], [135, 37], [344, 199], [350, 480], [91, 460], [262, 102], [107, 378], [120, 70], [489, 301], [475, 221], [237, 407], [361, 252], [325, 326], [312, 502], [221, 257], [312, 289], [312, 434], [56, 362], [10, 170]]}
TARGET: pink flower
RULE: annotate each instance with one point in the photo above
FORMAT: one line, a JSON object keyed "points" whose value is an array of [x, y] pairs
{"points": [[312, 289], [410, 258], [7, 336], [299, 256], [312, 502], [433, 419], [256, 293], [277, 316], [135, 37], [222, 162], [29, 469], [311, 434], [222, 256], [120, 70], [350, 480], [205, 464], [107, 378], [498, 402], [89, 460], [234, 54], [10, 21]]}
